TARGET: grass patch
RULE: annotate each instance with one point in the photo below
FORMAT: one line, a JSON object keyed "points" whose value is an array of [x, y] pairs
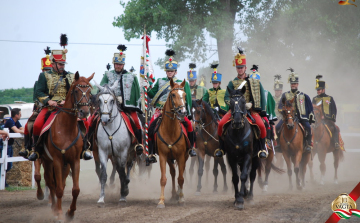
{"points": [[17, 188]]}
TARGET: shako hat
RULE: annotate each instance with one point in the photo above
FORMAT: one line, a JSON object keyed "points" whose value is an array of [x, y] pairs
{"points": [[191, 74]]}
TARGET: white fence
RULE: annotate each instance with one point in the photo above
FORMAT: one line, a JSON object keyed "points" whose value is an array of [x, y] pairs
{"points": [[4, 160]]}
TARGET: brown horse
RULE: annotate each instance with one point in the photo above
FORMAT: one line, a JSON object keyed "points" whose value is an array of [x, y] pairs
{"points": [[171, 142], [207, 141], [323, 145], [63, 145], [292, 142]]}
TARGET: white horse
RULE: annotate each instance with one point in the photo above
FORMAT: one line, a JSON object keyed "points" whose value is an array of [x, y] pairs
{"points": [[113, 140]]}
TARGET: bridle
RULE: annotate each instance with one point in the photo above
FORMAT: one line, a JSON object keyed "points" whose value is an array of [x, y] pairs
{"points": [[236, 109], [202, 126], [77, 103], [111, 94], [175, 110]]}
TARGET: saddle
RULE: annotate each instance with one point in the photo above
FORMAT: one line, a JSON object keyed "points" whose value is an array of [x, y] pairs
{"points": [[154, 128], [254, 127]]}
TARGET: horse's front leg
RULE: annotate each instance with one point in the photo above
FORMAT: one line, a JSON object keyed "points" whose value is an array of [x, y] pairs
{"points": [[243, 177], [239, 202], [49, 181], [124, 191], [181, 164], [37, 177], [223, 170], [201, 157], [58, 173], [254, 167], [172, 173], [269, 160], [296, 160], [191, 169], [215, 173], [113, 172], [162, 159], [103, 157], [289, 170], [75, 169]]}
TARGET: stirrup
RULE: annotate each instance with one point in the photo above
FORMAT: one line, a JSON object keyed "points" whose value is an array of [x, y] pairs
{"points": [[24, 151], [89, 156], [267, 154], [222, 151], [34, 152], [142, 146]]}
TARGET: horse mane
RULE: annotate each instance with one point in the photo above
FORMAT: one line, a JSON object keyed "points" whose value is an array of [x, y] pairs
{"points": [[209, 110]]}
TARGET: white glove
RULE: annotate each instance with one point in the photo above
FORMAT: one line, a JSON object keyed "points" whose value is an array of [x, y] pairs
{"points": [[248, 106], [119, 98], [217, 108]]}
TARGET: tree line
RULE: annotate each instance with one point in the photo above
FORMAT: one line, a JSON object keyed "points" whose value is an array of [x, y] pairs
{"points": [[8, 96]]}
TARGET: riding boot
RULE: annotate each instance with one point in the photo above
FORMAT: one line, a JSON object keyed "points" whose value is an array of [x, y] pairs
{"points": [[38, 150], [309, 143], [220, 151], [192, 136], [139, 148], [151, 158], [262, 154], [25, 152], [85, 154]]}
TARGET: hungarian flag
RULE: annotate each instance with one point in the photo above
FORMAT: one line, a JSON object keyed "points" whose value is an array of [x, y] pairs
{"points": [[146, 68]]}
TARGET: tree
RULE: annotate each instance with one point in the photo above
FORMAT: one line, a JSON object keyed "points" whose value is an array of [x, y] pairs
{"points": [[314, 37], [187, 23]]}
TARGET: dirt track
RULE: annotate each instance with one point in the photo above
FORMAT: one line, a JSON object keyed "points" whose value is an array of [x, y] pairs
{"points": [[278, 205]]}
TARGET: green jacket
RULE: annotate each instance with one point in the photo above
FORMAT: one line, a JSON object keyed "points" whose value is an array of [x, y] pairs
{"points": [[198, 92], [160, 91], [270, 106], [48, 81], [215, 97], [128, 88], [254, 93]]}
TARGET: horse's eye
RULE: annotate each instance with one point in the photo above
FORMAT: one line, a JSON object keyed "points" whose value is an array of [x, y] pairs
{"points": [[76, 91], [173, 95]]}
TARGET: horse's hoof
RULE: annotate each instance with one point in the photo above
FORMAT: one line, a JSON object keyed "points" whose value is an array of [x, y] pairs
{"points": [[40, 196], [182, 204], [299, 187], [122, 201], [336, 182], [265, 188], [69, 217], [225, 190], [322, 182], [160, 206], [239, 206], [197, 193], [101, 204], [215, 192]]}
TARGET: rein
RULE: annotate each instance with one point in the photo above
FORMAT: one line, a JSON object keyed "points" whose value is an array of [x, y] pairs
{"points": [[111, 136], [110, 110], [202, 126], [296, 128], [174, 110], [237, 109]]}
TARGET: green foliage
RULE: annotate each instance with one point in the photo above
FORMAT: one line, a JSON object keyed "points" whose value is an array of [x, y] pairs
{"points": [[8, 96]]}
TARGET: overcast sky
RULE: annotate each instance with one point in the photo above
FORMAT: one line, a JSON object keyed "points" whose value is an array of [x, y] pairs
{"points": [[84, 22]]}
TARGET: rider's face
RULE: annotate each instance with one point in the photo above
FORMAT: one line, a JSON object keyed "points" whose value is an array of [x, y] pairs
{"points": [[294, 86], [58, 67], [171, 73], [191, 82], [119, 67], [320, 91], [278, 93], [216, 85], [241, 71]]}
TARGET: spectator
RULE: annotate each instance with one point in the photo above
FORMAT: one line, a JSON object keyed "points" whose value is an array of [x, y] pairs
{"points": [[14, 126]]}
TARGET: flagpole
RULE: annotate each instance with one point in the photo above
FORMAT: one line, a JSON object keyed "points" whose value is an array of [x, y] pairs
{"points": [[145, 95]]}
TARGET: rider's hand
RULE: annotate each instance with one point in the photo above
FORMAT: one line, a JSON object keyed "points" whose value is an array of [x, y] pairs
{"points": [[52, 103], [248, 106], [62, 102], [5, 136], [217, 108], [190, 117]]}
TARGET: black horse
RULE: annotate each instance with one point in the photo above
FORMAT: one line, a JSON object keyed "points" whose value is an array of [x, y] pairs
{"points": [[239, 142]]}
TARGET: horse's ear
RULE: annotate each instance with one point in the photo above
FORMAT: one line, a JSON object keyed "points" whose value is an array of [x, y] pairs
{"points": [[77, 76], [283, 100], [183, 83], [98, 86], [91, 77], [172, 83]]}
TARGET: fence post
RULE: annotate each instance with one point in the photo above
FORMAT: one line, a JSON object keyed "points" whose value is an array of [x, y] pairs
{"points": [[3, 162]]}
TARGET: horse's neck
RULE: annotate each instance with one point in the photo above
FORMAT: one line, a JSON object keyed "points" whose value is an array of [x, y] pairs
{"points": [[290, 132], [115, 123], [209, 119], [172, 122]]}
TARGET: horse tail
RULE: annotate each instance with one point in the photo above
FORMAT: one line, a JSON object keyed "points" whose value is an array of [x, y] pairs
{"points": [[277, 169], [340, 153]]}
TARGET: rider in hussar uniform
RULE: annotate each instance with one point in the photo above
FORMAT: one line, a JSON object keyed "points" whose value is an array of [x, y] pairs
{"points": [[128, 92], [159, 94], [329, 109], [215, 96], [197, 91], [45, 66], [270, 105], [255, 102], [51, 90], [302, 106]]}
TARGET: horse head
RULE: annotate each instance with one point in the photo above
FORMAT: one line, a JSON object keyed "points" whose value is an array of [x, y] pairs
{"points": [[177, 97], [318, 112], [199, 115], [288, 112], [237, 107], [106, 100], [80, 93]]}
